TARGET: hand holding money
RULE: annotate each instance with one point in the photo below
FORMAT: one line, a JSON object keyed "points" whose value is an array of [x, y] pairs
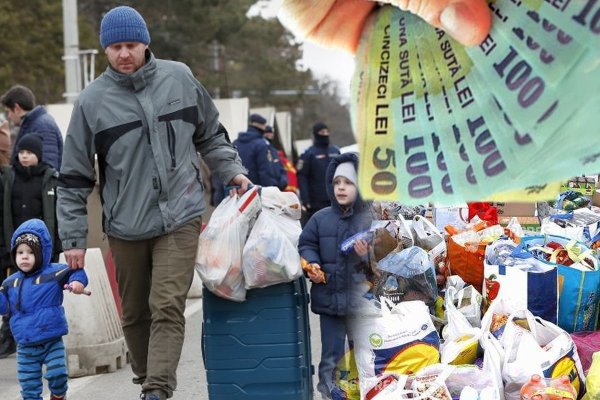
{"points": [[339, 23], [313, 270], [506, 120]]}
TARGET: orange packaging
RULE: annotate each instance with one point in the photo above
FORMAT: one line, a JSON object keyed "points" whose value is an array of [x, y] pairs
{"points": [[534, 389], [310, 268], [561, 389], [538, 388]]}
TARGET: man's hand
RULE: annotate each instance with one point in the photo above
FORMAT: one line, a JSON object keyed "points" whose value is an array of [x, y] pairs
{"points": [[339, 23], [242, 181], [467, 21], [75, 258]]}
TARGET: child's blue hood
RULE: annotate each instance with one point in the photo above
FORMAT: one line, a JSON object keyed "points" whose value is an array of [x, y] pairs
{"points": [[38, 228]]}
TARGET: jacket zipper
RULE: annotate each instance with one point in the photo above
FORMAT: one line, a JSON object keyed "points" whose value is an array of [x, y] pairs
{"points": [[198, 176], [171, 142]]}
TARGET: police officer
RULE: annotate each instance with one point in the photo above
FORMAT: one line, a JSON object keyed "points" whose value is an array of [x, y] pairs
{"points": [[254, 152], [312, 167], [277, 167]]}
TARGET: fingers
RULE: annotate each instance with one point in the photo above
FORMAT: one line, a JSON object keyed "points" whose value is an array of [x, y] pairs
{"points": [[241, 184], [78, 262], [75, 258], [331, 23], [339, 23], [467, 21]]}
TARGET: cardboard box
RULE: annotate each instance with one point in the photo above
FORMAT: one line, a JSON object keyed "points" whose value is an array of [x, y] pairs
{"points": [[515, 209]]}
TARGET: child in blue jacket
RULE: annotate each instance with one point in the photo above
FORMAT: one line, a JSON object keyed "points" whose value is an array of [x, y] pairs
{"points": [[344, 274], [33, 297]]}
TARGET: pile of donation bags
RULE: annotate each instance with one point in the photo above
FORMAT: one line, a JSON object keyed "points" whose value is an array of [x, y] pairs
{"points": [[471, 313], [476, 312]]}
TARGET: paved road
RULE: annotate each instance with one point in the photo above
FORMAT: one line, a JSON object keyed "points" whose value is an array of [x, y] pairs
{"points": [[117, 385]]}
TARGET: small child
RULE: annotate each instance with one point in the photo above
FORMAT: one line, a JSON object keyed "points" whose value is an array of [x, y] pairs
{"points": [[27, 190], [319, 245], [33, 297]]}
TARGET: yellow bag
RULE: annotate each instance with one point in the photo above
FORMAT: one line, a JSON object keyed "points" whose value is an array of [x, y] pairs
{"points": [[592, 381]]}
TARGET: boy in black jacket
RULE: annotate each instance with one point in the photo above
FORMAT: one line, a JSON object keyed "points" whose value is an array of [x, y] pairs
{"points": [[27, 190]]}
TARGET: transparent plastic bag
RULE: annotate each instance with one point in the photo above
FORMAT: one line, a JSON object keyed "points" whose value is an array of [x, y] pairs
{"points": [[425, 234], [407, 275], [270, 255], [219, 254]]}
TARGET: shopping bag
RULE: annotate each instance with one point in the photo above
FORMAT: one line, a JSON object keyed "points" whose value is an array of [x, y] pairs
{"points": [[579, 286], [534, 346], [593, 379], [480, 380], [467, 302], [219, 254], [587, 344], [270, 255], [533, 284], [467, 262], [392, 339], [460, 337], [406, 275], [582, 225], [426, 235], [485, 212]]}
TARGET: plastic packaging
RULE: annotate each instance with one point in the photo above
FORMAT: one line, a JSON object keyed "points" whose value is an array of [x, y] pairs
{"points": [[561, 389], [538, 388], [348, 244], [534, 389]]}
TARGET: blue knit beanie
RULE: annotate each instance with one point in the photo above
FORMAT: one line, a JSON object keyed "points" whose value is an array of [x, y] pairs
{"points": [[123, 24]]}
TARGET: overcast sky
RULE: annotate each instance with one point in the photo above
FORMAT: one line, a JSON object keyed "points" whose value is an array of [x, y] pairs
{"points": [[324, 62]]}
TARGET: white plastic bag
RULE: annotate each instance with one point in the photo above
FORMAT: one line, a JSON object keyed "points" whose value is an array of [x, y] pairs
{"points": [[469, 380], [284, 203], [543, 349], [270, 255], [461, 338], [426, 235], [219, 254], [397, 339]]}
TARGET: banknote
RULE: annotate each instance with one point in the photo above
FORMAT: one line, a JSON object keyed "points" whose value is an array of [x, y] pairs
{"points": [[581, 18], [443, 190], [450, 139], [415, 164], [438, 122], [551, 51], [371, 110]]}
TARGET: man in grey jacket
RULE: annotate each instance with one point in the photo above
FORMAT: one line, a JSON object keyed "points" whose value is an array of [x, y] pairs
{"points": [[145, 119]]}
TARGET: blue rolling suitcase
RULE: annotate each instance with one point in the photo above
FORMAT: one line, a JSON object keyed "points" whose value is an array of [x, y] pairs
{"points": [[258, 349]]}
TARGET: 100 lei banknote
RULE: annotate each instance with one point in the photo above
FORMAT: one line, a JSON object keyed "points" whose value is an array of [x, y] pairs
{"points": [[437, 122]]}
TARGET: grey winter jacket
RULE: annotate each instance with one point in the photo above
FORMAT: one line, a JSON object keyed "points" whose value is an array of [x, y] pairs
{"points": [[146, 129]]}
